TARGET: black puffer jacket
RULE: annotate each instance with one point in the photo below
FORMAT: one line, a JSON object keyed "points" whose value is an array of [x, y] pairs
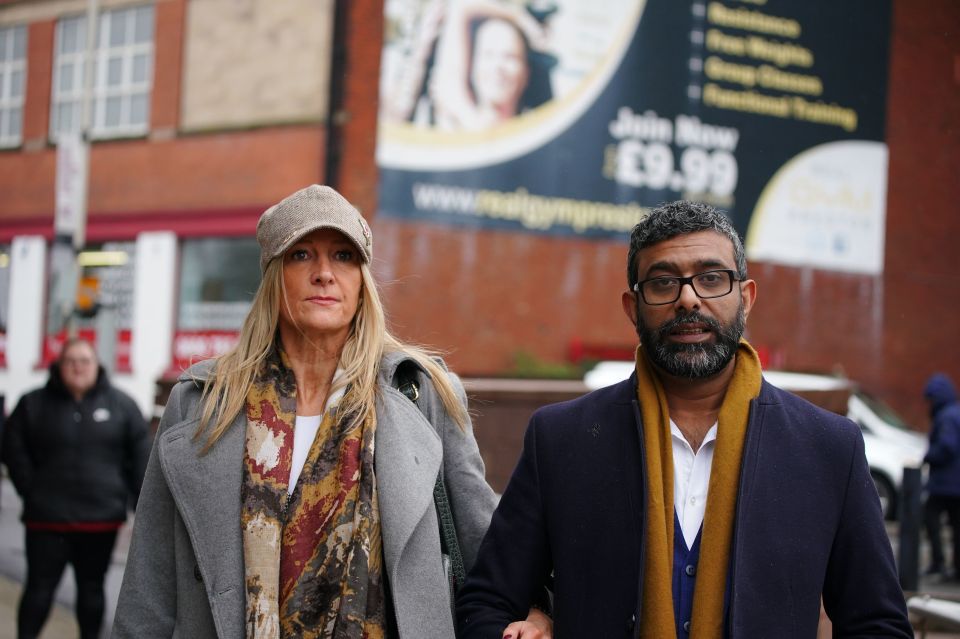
{"points": [[76, 462]]}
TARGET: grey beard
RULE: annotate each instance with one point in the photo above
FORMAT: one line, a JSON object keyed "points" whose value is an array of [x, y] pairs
{"points": [[692, 361]]}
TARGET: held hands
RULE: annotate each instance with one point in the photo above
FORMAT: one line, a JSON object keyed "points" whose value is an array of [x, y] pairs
{"points": [[536, 626]]}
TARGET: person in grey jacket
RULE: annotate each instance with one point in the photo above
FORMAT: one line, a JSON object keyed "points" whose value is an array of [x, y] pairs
{"points": [[290, 490]]}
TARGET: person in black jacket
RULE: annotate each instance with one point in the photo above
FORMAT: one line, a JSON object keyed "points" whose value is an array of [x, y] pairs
{"points": [[76, 451]]}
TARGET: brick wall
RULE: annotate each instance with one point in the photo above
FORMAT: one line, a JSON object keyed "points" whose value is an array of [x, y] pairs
{"points": [[922, 292], [485, 296], [891, 332], [162, 171], [356, 74], [36, 119], [168, 66], [219, 170]]}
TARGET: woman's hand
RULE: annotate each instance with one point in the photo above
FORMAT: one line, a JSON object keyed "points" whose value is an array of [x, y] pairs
{"points": [[536, 626]]}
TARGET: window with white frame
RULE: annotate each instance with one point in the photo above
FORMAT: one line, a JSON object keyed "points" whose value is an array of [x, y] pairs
{"points": [[13, 74], [122, 79]]}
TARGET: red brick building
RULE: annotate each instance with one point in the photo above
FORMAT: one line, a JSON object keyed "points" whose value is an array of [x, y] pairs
{"points": [[249, 101]]}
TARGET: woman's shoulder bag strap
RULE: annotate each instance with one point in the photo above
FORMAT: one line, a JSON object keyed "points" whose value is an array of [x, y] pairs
{"points": [[407, 380]]}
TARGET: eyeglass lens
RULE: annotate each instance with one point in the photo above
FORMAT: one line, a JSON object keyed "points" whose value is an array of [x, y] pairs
{"points": [[663, 290]]}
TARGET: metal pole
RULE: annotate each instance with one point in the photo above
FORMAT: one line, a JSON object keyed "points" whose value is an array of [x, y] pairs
{"points": [[86, 120], [910, 521], [86, 125], [70, 219], [106, 346]]}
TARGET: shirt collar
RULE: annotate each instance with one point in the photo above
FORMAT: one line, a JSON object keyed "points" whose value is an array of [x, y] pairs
{"points": [[709, 437]]}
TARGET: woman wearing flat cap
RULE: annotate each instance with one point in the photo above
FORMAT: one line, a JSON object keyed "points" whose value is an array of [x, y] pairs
{"points": [[290, 491]]}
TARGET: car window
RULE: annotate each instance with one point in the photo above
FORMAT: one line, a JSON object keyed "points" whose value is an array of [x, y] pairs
{"points": [[883, 411]]}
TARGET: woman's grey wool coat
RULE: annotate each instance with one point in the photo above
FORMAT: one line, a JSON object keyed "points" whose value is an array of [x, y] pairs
{"points": [[184, 575]]}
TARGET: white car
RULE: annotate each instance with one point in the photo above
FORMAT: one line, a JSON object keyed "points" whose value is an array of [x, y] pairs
{"points": [[889, 442], [891, 445]]}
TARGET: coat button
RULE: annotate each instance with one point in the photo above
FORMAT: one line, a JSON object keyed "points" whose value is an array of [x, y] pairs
{"points": [[632, 623], [196, 572], [691, 570], [686, 626]]}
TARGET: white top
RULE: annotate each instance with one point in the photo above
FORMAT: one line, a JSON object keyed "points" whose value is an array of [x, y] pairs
{"points": [[691, 478], [305, 431]]}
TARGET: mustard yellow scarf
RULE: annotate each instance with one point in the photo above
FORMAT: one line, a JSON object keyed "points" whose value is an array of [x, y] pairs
{"points": [[658, 616]]}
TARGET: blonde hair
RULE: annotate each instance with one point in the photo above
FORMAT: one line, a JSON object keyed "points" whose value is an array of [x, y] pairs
{"points": [[224, 396]]}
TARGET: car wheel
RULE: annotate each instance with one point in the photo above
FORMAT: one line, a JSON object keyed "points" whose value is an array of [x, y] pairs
{"points": [[888, 496]]}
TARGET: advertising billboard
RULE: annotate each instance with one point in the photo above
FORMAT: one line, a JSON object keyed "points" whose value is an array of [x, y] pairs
{"points": [[573, 117]]}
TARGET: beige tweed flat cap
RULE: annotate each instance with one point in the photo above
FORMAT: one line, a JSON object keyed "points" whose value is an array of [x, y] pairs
{"points": [[311, 208]]}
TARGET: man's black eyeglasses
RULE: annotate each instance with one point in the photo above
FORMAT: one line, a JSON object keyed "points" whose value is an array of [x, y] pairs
{"points": [[666, 289]]}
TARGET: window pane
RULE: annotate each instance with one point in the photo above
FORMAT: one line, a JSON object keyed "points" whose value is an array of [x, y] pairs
{"points": [[65, 78], [4, 47], [66, 116], [140, 68], [19, 43], [114, 71], [143, 31], [81, 27], [103, 34], [112, 116], [4, 124], [3, 90], [56, 119], [16, 84], [72, 35], [138, 109], [71, 121], [118, 28], [15, 122], [218, 278], [103, 31]]}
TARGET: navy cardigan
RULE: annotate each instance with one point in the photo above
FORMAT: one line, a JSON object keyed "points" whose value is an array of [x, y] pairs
{"points": [[808, 524]]}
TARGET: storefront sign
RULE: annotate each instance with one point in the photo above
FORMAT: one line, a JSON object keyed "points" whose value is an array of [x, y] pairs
{"points": [[190, 347]]}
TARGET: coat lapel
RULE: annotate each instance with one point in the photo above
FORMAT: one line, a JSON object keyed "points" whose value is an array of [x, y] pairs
{"points": [[206, 488], [408, 455]]}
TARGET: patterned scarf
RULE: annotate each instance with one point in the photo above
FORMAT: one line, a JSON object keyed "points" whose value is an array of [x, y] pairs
{"points": [[717, 531], [313, 561]]}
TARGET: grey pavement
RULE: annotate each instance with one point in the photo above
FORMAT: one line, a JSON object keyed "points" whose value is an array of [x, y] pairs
{"points": [[61, 624]]}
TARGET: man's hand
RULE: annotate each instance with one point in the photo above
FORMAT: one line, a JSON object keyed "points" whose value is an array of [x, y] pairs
{"points": [[536, 626]]}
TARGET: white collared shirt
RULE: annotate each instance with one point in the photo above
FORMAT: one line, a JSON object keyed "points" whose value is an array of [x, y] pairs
{"points": [[691, 478], [305, 431]]}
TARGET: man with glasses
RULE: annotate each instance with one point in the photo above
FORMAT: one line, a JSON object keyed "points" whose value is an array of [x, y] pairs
{"points": [[693, 499], [76, 450]]}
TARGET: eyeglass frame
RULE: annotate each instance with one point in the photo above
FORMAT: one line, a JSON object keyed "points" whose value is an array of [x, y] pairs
{"points": [[683, 281]]}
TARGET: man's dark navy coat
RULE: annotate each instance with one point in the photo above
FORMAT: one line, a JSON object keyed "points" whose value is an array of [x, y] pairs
{"points": [[808, 524]]}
